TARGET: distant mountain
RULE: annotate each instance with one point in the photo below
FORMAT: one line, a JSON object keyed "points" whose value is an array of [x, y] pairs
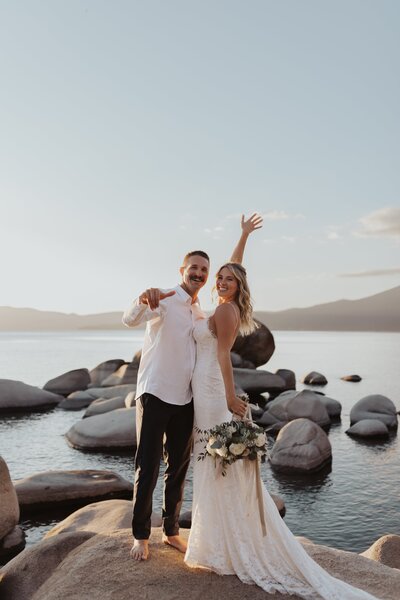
{"points": [[380, 312]]}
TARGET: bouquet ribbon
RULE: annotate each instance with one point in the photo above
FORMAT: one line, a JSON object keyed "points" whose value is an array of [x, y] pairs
{"points": [[260, 496]]}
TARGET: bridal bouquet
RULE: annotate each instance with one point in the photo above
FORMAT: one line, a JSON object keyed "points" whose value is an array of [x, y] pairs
{"points": [[236, 440]]}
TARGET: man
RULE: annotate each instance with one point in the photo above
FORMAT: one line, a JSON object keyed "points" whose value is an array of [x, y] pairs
{"points": [[164, 405]]}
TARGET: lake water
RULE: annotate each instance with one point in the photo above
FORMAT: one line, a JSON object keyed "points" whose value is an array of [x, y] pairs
{"points": [[349, 507]]}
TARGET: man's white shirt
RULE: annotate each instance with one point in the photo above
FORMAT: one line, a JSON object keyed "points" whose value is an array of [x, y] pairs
{"points": [[169, 349]]}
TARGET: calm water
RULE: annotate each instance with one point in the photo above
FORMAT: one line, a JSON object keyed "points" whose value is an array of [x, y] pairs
{"points": [[349, 508]]}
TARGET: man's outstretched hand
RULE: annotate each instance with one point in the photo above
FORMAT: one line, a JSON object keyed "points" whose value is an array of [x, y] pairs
{"points": [[152, 297], [254, 222]]}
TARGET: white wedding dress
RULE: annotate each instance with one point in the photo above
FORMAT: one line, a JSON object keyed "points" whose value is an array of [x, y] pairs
{"points": [[226, 534]]}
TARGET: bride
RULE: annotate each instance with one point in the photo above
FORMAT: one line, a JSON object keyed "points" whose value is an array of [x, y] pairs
{"points": [[226, 535]]}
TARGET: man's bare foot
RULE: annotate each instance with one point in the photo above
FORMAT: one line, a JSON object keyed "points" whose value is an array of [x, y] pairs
{"points": [[140, 550], [176, 542]]}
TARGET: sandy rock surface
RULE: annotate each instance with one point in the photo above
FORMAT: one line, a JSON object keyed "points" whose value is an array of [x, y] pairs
{"points": [[386, 550]]}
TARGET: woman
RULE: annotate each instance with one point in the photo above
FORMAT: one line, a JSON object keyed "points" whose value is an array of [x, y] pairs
{"points": [[226, 534]]}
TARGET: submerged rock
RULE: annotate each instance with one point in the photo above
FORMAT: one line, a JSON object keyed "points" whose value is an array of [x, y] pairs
{"points": [[301, 446], [368, 428]]}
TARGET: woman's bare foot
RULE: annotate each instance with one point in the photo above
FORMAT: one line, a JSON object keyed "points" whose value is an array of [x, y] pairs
{"points": [[140, 550], [176, 542]]}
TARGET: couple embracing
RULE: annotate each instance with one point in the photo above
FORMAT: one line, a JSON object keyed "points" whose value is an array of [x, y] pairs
{"points": [[185, 379]]}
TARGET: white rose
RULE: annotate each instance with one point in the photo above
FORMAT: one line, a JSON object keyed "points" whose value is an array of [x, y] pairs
{"points": [[210, 450], [222, 451], [231, 429], [260, 440], [237, 449]]}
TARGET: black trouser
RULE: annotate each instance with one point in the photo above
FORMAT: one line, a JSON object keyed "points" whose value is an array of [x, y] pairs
{"points": [[154, 420]]}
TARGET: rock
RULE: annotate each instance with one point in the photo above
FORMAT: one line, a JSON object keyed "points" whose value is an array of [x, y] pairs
{"points": [[333, 407], [130, 400], [100, 517], [69, 382], [314, 378], [280, 504], [115, 429], [289, 378], [12, 544], [256, 381], [294, 405], [355, 378], [80, 565], [386, 551], [185, 519], [125, 374], [9, 508], [136, 357], [100, 406], [368, 428], [267, 419], [301, 446], [82, 399], [19, 396], [236, 359], [53, 489], [375, 407], [258, 347], [103, 370]]}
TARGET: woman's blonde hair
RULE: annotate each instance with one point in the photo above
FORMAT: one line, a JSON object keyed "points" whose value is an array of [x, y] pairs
{"points": [[243, 299]]}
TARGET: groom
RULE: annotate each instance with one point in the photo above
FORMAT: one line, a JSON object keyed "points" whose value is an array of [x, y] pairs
{"points": [[164, 405]]}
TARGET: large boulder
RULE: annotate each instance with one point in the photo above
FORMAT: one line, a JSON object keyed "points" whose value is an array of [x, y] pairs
{"points": [[292, 405], [375, 407], [101, 405], [100, 517], [69, 382], [368, 428], [115, 429], [82, 399], [386, 550], [333, 407], [314, 378], [80, 565], [19, 396], [103, 370], [126, 374], [301, 446], [257, 381], [53, 489], [258, 347], [9, 508]]}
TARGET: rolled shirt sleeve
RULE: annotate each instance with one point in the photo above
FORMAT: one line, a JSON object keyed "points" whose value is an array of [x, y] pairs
{"points": [[139, 313]]}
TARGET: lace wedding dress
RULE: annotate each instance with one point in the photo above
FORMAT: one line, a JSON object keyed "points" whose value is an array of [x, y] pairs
{"points": [[226, 534]]}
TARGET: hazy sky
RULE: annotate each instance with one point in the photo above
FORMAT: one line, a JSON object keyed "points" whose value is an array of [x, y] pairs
{"points": [[132, 132]]}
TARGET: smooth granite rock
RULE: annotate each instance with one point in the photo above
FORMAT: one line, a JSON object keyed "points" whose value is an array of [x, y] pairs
{"points": [[52, 489], [333, 407], [80, 566], [289, 378], [19, 396], [368, 428], [11, 545], [301, 446], [115, 429], [69, 382], [386, 551], [103, 370], [82, 399], [126, 374], [314, 378], [354, 378], [375, 406], [101, 405], [258, 347], [9, 508], [257, 381], [292, 405]]}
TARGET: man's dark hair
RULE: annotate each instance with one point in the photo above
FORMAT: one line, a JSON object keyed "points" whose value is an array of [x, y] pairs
{"points": [[196, 253]]}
